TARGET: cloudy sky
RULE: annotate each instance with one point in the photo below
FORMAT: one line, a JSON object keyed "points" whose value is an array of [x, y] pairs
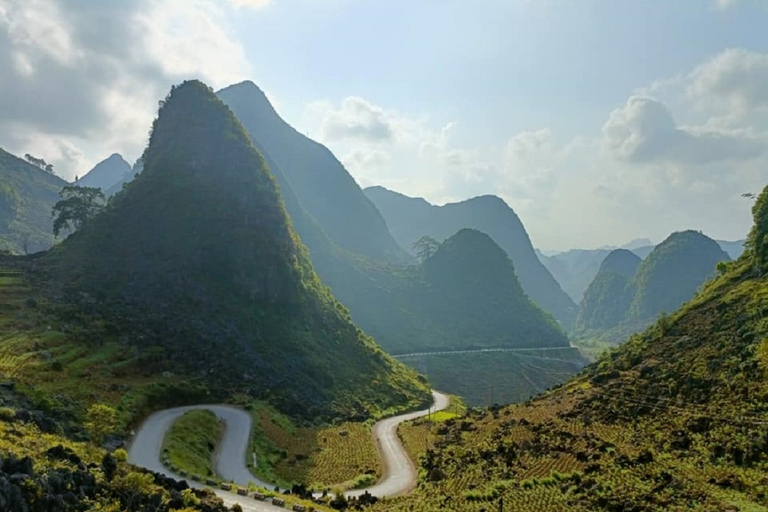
{"points": [[598, 121]]}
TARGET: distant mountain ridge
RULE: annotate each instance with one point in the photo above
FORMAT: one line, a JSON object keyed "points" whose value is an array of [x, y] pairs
{"points": [[610, 294], [628, 293], [410, 218], [106, 173], [576, 268]]}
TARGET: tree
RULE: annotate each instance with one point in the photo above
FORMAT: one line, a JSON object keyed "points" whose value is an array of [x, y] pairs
{"points": [[76, 207], [425, 247], [100, 420]]}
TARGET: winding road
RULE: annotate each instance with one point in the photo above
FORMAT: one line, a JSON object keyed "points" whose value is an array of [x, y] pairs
{"points": [[399, 474]]}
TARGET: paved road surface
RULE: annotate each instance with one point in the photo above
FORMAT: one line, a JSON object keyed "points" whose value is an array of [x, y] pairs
{"points": [[399, 473]]}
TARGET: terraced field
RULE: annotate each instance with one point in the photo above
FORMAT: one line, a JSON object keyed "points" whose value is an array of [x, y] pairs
{"points": [[319, 457]]}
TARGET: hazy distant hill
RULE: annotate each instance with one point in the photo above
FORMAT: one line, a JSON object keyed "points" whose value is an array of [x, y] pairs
{"points": [[323, 186], [107, 173], [619, 301], [196, 258], [734, 249], [410, 218], [574, 269], [609, 296], [672, 273], [27, 194]]}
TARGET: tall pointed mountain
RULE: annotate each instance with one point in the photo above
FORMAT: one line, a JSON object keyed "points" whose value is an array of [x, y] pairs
{"points": [[410, 218], [198, 257], [322, 185], [27, 194], [106, 173], [609, 296], [471, 291]]}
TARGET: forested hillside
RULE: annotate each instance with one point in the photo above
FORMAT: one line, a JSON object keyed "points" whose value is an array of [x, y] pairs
{"points": [[196, 260], [27, 194]]}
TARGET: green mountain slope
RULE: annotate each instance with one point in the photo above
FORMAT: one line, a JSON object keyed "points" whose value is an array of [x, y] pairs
{"points": [[672, 273], [608, 298], [410, 218], [618, 303], [322, 185], [673, 420], [27, 194], [197, 258]]}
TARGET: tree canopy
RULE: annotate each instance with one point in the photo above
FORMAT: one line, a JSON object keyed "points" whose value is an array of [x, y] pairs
{"points": [[77, 205]]}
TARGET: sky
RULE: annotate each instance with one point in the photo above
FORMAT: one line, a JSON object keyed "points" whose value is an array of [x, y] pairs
{"points": [[598, 121]]}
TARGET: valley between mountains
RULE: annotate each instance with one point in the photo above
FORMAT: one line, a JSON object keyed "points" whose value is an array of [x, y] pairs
{"points": [[238, 263]]}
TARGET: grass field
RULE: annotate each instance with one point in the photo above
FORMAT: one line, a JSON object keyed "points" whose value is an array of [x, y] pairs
{"points": [[191, 442], [339, 456]]}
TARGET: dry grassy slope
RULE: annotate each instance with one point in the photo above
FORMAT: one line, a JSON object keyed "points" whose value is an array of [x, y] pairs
{"points": [[673, 420]]}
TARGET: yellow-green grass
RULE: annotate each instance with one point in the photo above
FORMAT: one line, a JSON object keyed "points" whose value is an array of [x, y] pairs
{"points": [[339, 457], [191, 442], [59, 368]]}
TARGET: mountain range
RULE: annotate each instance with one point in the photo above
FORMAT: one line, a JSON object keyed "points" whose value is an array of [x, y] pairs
{"points": [[628, 293], [411, 218], [196, 259], [576, 268], [672, 420]]}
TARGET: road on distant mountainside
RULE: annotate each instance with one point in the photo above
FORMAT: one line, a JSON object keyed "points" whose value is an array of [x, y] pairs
{"points": [[478, 351], [146, 447]]}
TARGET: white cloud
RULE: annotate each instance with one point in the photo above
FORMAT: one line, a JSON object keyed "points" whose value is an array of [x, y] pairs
{"points": [[644, 131], [82, 80], [357, 119], [252, 4], [737, 77]]}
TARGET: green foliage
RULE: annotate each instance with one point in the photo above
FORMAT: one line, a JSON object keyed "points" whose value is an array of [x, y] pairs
{"points": [[425, 247], [758, 237], [190, 443], [100, 420], [76, 207]]}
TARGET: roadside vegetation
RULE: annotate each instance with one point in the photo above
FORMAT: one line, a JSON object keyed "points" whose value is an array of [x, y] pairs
{"points": [[331, 457], [191, 442]]}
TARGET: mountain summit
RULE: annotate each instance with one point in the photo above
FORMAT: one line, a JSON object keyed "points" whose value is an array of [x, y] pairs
{"points": [[198, 257], [106, 173], [322, 185]]}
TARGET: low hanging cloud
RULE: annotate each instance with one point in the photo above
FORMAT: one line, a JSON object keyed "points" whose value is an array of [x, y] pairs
{"points": [[643, 130], [81, 80]]}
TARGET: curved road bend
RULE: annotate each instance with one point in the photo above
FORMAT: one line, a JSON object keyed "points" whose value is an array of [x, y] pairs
{"points": [[146, 447]]}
